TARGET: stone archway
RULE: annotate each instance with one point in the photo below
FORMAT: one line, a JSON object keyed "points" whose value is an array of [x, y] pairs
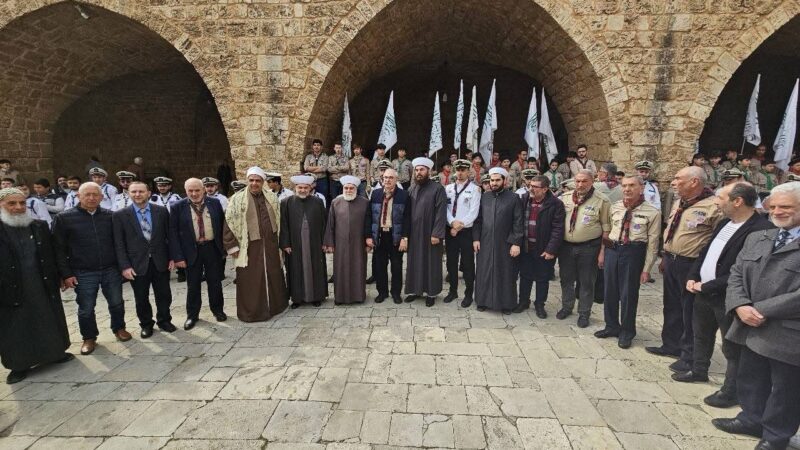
{"points": [[546, 43], [730, 61], [82, 79], [777, 59]]}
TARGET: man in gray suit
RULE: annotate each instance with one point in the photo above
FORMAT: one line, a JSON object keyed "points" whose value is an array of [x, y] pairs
{"points": [[764, 292]]}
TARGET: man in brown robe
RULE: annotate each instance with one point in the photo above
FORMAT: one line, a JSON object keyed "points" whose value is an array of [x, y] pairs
{"points": [[345, 237], [250, 236], [428, 220], [302, 230]]}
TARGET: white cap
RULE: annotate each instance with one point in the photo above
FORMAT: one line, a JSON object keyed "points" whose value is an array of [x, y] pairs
{"points": [[422, 161], [498, 170], [349, 179], [303, 179], [255, 170]]}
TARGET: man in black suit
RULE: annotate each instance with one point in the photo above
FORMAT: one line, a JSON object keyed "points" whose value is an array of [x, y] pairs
{"points": [[141, 239], [195, 242], [708, 280]]}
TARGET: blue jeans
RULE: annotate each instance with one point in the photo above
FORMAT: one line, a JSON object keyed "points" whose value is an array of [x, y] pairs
{"points": [[108, 280]]}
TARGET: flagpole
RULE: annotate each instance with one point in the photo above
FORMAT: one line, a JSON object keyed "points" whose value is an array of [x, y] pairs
{"points": [[741, 150]]}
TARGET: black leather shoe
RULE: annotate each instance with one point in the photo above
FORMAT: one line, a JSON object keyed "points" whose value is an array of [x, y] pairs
{"points": [[720, 399], [450, 297], [330, 280], [430, 301], [563, 314], [661, 351], [680, 366], [15, 376], [189, 324], [624, 343], [540, 311], [167, 326], [482, 308], [397, 299], [146, 332], [66, 358], [764, 444], [583, 321], [604, 333], [221, 316], [690, 377], [294, 305], [317, 304], [380, 298], [506, 312], [522, 307], [467, 302], [410, 298], [736, 426], [370, 280]]}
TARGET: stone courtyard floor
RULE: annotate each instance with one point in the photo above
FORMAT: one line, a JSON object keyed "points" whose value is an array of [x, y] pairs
{"points": [[365, 376]]}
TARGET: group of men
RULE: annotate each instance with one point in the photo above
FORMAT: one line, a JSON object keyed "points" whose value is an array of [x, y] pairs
{"points": [[727, 266]]}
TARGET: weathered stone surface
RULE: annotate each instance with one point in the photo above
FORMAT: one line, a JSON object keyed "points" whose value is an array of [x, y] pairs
{"points": [[374, 397], [406, 430], [297, 422], [102, 419], [437, 399], [228, 419]]}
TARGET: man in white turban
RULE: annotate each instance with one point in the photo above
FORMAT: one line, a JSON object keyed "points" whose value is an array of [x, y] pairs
{"points": [[428, 203], [302, 230], [250, 235], [346, 237]]}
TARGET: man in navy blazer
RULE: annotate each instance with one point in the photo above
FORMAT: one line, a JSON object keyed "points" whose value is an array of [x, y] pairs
{"points": [[141, 233], [195, 242]]}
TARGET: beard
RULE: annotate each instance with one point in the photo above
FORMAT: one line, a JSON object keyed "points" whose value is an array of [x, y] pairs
{"points": [[15, 220], [303, 195], [350, 197]]}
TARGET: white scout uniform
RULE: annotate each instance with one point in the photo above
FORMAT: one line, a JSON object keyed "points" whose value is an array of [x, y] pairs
{"points": [[321, 197], [121, 201], [38, 210], [222, 199], [468, 203], [109, 196], [651, 194], [284, 193], [165, 200], [71, 201]]}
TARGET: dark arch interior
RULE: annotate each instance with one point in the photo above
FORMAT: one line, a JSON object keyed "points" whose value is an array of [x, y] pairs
{"points": [[415, 88], [404, 46], [80, 80], [777, 59]]}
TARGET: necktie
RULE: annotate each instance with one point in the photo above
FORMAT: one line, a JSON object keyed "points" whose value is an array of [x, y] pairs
{"points": [[458, 193], [781, 240], [387, 196], [147, 230], [201, 229]]}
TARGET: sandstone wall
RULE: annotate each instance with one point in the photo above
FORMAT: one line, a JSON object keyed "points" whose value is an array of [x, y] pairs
{"points": [[633, 78]]}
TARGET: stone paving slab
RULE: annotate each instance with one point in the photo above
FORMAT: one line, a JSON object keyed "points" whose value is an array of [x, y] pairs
{"points": [[365, 377]]}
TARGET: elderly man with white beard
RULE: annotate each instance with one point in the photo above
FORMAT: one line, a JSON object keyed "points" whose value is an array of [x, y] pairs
{"points": [[33, 329], [346, 236]]}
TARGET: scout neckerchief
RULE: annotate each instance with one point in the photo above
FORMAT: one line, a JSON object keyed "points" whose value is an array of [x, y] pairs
{"points": [[683, 206], [626, 220], [578, 201]]}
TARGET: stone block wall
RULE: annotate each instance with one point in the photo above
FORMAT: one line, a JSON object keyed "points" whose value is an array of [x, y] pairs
{"points": [[633, 78]]}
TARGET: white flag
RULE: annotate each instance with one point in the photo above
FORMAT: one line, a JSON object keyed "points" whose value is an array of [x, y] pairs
{"points": [[489, 126], [436, 128], [532, 128], [784, 142], [472, 124], [459, 118], [546, 130], [388, 135], [347, 131], [751, 131]]}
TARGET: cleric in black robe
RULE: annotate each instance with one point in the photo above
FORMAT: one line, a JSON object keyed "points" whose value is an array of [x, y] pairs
{"points": [[33, 329], [497, 235], [428, 221], [301, 236]]}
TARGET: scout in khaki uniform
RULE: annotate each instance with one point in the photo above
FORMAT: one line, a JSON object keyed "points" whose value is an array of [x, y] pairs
{"points": [[402, 166], [689, 227], [359, 168], [587, 222], [629, 258], [338, 166], [316, 163]]}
